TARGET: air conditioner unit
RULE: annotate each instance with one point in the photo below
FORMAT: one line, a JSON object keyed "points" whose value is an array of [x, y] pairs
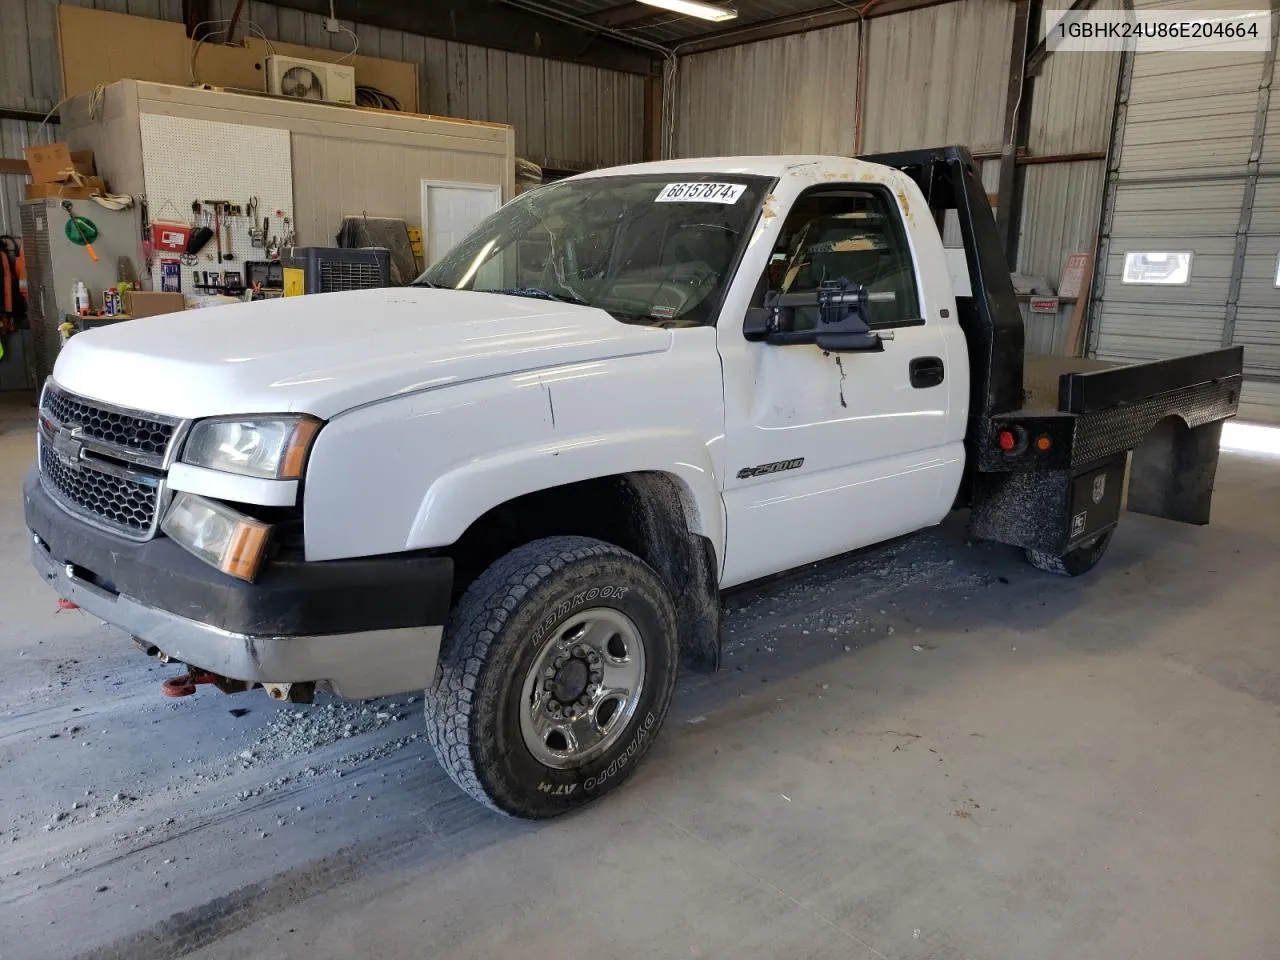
{"points": [[311, 79], [330, 269]]}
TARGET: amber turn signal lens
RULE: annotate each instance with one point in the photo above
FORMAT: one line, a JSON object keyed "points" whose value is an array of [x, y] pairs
{"points": [[295, 456], [245, 551], [221, 537], [1043, 442]]}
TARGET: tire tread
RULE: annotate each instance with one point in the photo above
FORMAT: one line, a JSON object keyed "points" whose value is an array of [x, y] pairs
{"points": [[1073, 563], [476, 623]]}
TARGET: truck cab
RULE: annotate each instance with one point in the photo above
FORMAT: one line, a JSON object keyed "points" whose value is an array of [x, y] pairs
{"points": [[521, 483]]}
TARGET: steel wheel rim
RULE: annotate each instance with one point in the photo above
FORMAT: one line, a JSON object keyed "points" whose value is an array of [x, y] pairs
{"points": [[599, 655]]}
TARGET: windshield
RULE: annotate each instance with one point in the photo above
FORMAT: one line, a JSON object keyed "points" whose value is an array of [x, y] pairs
{"points": [[648, 249]]}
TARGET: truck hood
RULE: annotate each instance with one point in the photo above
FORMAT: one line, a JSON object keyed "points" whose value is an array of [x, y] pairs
{"points": [[323, 354]]}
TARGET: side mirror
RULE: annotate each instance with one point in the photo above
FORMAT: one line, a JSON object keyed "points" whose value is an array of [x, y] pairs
{"points": [[850, 342], [756, 324], [841, 326]]}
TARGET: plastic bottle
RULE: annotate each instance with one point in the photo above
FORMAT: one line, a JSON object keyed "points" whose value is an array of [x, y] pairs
{"points": [[82, 298]]}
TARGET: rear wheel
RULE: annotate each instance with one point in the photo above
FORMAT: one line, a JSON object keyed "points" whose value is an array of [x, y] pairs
{"points": [[1075, 562], [555, 675]]}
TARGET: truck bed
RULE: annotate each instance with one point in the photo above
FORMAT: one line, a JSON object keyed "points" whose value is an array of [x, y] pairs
{"points": [[1040, 375], [1093, 409], [1195, 386]]}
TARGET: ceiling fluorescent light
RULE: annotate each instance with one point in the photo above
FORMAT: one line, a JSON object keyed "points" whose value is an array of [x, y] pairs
{"points": [[694, 8]]}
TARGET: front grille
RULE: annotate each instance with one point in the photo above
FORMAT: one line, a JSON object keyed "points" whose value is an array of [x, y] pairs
{"points": [[126, 429], [105, 463], [128, 505]]}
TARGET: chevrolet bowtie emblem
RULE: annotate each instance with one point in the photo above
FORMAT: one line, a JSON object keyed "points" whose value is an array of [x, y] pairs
{"points": [[67, 445]]}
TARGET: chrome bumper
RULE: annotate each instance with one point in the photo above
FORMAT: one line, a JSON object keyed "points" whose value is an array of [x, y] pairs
{"points": [[356, 665]]}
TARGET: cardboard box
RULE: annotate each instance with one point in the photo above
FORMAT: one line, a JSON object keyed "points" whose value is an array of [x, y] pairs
{"points": [[66, 191], [146, 303], [54, 162], [97, 46]]}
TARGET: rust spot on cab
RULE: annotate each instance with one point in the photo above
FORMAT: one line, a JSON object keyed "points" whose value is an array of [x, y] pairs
{"points": [[906, 205]]}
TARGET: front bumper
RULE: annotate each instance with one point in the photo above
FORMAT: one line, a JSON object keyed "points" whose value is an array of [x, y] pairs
{"points": [[368, 627]]}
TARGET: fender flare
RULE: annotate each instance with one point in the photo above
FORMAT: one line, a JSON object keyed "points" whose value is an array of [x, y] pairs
{"points": [[461, 496]]}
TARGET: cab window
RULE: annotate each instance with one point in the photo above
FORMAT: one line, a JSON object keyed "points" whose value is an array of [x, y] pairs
{"points": [[850, 234]]}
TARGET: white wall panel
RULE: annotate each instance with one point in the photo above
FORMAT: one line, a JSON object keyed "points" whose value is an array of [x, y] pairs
{"points": [[1073, 100], [1060, 207], [790, 95], [934, 76], [938, 76]]}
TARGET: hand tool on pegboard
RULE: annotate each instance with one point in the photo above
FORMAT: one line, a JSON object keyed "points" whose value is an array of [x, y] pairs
{"points": [[81, 230]]}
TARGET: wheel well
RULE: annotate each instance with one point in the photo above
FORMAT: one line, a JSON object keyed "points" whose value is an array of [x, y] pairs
{"points": [[646, 513]]}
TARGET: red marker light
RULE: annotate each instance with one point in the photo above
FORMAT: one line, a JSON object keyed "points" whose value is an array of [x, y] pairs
{"points": [[1006, 440]]}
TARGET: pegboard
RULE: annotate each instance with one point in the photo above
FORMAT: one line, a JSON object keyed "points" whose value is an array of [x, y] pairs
{"points": [[184, 159]]}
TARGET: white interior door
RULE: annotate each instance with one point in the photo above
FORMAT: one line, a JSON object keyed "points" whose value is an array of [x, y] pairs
{"points": [[451, 210]]}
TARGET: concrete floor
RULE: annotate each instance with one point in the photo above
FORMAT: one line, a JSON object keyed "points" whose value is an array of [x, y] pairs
{"points": [[928, 750]]}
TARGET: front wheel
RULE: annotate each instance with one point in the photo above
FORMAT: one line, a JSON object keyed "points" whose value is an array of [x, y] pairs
{"points": [[555, 675], [1074, 562]]}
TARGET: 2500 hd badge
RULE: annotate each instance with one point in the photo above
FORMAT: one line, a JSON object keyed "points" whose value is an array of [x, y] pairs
{"points": [[765, 469]]}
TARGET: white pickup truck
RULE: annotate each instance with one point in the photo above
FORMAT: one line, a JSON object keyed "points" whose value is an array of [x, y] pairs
{"points": [[521, 483]]}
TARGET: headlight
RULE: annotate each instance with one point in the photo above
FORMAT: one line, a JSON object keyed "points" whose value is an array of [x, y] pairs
{"points": [[274, 448], [218, 535]]}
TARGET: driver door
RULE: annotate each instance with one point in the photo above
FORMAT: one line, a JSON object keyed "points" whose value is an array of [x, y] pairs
{"points": [[827, 452]]}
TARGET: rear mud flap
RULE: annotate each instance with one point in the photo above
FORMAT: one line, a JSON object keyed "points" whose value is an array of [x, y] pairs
{"points": [[1173, 471]]}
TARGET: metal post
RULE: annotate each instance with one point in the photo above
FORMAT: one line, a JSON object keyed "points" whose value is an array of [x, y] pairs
{"points": [[1017, 116]]}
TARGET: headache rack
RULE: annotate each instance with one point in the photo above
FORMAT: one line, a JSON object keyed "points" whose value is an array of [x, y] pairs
{"points": [[1046, 433]]}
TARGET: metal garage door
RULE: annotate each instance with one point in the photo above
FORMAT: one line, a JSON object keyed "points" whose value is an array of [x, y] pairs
{"points": [[1191, 225]]}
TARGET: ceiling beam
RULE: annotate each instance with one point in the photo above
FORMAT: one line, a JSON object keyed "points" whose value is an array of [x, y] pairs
{"points": [[798, 23], [488, 23]]}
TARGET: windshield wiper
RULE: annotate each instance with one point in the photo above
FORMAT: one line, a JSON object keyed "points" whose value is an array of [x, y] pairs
{"points": [[421, 282], [537, 293]]}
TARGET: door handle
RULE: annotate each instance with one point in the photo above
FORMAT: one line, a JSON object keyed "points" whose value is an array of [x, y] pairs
{"points": [[927, 372]]}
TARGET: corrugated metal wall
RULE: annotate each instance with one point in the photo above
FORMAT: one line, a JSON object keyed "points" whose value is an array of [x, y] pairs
{"points": [[564, 115], [1196, 171], [933, 76], [14, 135], [790, 95], [1072, 107], [938, 76]]}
